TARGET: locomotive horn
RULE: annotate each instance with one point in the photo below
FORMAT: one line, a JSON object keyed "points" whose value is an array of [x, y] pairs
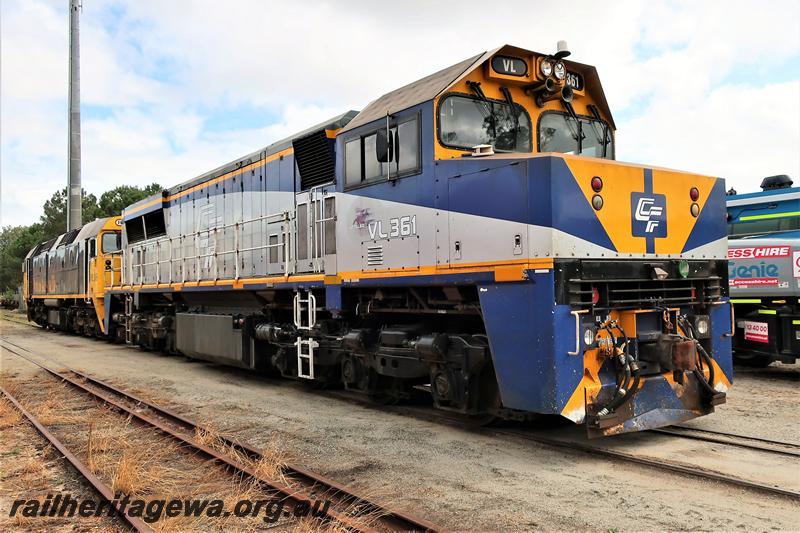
{"points": [[566, 94], [547, 86]]}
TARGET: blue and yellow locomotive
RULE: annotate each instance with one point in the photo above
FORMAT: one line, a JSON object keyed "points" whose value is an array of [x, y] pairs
{"points": [[469, 235]]}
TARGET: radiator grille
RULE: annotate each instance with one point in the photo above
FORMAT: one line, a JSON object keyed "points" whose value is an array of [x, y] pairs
{"points": [[637, 293], [314, 156]]}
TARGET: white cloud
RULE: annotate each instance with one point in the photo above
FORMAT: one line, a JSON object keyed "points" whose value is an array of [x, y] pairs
{"points": [[672, 72], [736, 132]]}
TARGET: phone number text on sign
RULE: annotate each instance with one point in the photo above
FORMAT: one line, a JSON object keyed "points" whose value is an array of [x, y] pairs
{"points": [[756, 331]]}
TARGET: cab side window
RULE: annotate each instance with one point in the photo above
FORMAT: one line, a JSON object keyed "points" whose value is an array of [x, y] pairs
{"points": [[362, 162], [111, 242]]}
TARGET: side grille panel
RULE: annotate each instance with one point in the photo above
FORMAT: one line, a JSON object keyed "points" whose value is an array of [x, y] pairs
{"points": [[315, 159], [629, 284]]}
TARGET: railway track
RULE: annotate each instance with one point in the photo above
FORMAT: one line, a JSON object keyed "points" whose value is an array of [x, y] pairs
{"points": [[732, 439], [348, 509], [684, 432], [581, 446]]}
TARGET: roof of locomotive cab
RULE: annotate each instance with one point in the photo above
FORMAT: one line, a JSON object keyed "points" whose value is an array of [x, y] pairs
{"points": [[770, 195], [431, 86], [90, 229]]}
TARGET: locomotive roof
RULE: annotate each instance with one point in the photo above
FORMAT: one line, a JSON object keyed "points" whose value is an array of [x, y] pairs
{"points": [[90, 229], [437, 83], [771, 195], [336, 122]]}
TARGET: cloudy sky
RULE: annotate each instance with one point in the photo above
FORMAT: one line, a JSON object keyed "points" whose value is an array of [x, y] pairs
{"points": [[171, 89]]}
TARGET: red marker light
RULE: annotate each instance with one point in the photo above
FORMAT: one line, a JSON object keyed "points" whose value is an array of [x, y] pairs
{"points": [[597, 184], [694, 194], [595, 295]]}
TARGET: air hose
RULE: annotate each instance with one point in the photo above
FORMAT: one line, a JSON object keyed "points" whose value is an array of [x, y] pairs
{"points": [[703, 357], [627, 366]]}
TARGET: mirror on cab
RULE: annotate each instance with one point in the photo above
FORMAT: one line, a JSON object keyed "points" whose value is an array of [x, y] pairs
{"points": [[387, 147]]}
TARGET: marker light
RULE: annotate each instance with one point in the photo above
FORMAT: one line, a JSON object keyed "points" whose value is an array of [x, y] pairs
{"points": [[694, 194], [597, 184], [695, 209], [546, 67], [560, 70], [588, 337], [597, 202], [595, 295], [683, 268]]}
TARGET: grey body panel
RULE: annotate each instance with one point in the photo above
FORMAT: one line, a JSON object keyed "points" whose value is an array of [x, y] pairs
{"points": [[771, 274], [61, 269], [209, 337]]}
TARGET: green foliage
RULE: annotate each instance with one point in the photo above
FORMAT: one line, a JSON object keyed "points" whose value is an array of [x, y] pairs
{"points": [[17, 241], [54, 218], [114, 201]]}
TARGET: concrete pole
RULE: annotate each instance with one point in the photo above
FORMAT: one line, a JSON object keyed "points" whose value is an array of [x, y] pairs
{"points": [[74, 186]]}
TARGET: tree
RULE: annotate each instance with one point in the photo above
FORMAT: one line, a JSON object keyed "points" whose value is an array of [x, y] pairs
{"points": [[114, 201], [15, 243], [54, 219]]}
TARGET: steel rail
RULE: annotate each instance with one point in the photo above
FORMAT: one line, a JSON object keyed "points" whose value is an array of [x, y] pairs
{"points": [[694, 471], [685, 433], [388, 519], [296, 496], [740, 436], [104, 490], [699, 472]]}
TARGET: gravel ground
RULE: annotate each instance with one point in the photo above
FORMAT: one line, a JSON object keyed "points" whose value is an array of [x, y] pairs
{"points": [[460, 479]]}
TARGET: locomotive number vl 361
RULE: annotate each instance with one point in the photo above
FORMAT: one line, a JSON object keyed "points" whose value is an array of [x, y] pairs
{"points": [[398, 227]]}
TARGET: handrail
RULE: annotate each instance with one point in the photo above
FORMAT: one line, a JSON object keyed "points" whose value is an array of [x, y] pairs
{"points": [[138, 269], [577, 315]]}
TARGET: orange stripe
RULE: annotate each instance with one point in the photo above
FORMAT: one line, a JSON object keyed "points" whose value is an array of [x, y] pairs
{"points": [[503, 272], [459, 268], [330, 134], [76, 296], [213, 181]]}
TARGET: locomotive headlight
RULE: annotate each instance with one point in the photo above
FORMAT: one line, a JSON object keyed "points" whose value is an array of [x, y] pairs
{"points": [[546, 67], [560, 70], [588, 336], [702, 326]]}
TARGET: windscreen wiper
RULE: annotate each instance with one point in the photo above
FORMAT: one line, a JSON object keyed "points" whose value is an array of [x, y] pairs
{"points": [[577, 133], [604, 140], [512, 109], [476, 88]]}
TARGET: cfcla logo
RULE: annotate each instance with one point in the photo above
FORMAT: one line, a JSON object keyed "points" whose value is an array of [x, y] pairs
{"points": [[647, 212], [649, 215]]}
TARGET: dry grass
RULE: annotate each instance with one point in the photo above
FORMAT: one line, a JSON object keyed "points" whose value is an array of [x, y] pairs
{"points": [[143, 463], [9, 415], [272, 464]]}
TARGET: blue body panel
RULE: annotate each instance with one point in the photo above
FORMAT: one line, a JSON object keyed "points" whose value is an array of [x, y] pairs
{"points": [[528, 349]]}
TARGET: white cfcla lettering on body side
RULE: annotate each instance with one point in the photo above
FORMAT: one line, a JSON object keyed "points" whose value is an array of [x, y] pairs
{"points": [[644, 210]]}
